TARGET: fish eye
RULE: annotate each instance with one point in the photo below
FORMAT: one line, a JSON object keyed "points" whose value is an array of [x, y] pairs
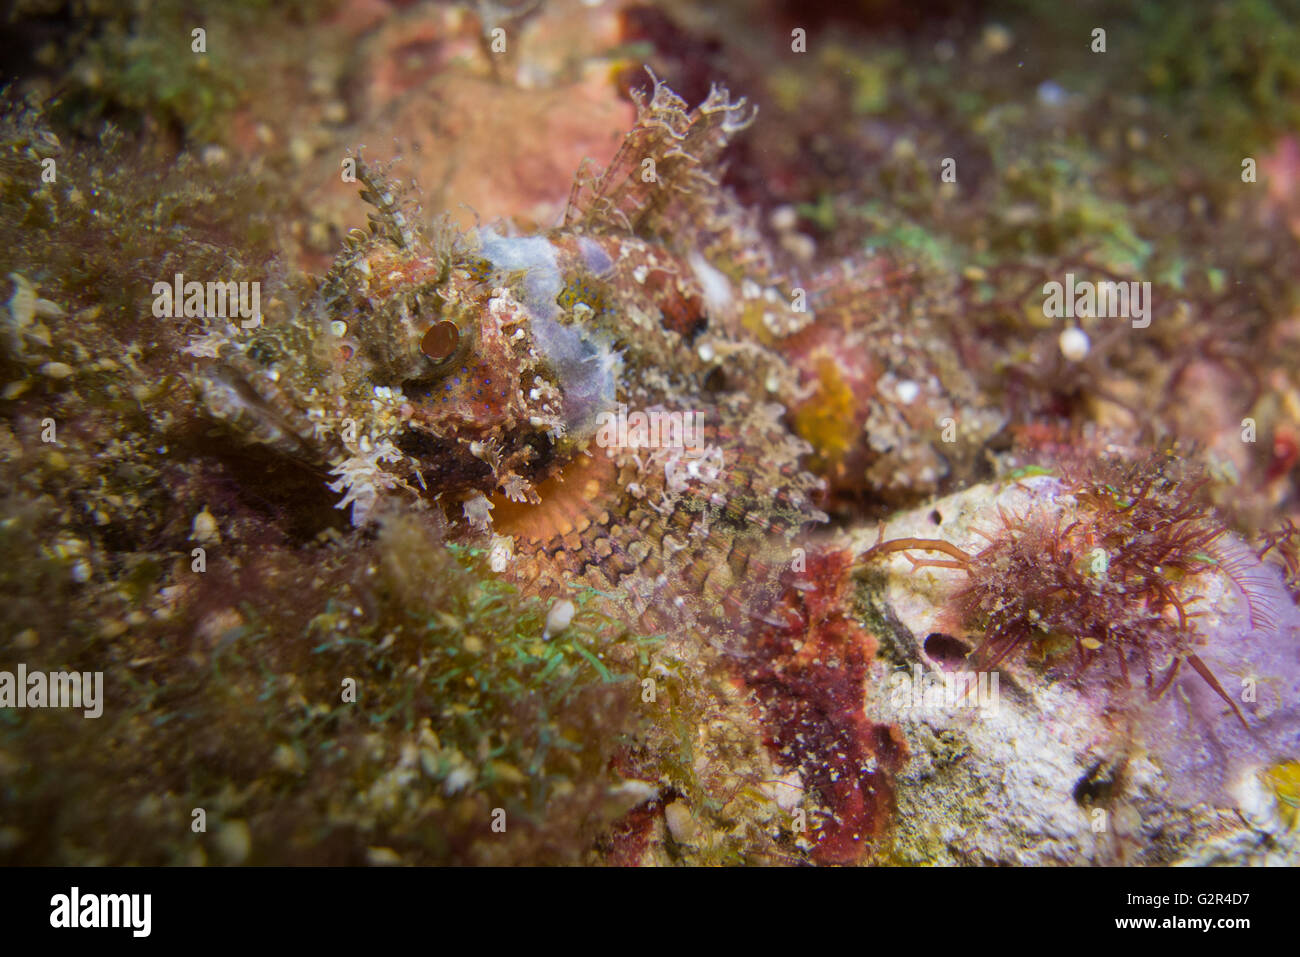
{"points": [[441, 340]]}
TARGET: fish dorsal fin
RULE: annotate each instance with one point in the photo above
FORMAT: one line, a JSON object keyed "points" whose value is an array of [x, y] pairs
{"points": [[666, 173], [664, 186]]}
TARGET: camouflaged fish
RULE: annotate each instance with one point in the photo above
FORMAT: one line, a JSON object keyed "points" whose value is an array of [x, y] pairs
{"points": [[483, 372]]}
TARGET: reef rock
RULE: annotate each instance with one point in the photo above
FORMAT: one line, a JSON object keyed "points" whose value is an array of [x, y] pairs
{"points": [[1034, 763]]}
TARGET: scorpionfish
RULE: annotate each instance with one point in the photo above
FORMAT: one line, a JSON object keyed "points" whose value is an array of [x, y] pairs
{"points": [[479, 372]]}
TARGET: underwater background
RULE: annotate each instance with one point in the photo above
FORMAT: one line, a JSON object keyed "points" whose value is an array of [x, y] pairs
{"points": [[615, 433]]}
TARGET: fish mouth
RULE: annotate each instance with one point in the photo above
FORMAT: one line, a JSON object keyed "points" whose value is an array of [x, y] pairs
{"points": [[448, 464]]}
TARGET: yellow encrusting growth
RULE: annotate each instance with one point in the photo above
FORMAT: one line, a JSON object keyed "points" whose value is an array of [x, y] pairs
{"points": [[1283, 779], [825, 421]]}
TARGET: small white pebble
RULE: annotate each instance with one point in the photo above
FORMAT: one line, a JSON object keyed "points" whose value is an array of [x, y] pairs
{"points": [[680, 824], [204, 528], [48, 309], [1051, 94], [997, 39], [1074, 344], [22, 304], [907, 391], [458, 779], [800, 245], [214, 155], [233, 842], [784, 218], [500, 554], [559, 617], [382, 857], [300, 151]]}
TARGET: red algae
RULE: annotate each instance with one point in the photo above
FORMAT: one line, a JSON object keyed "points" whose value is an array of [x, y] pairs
{"points": [[807, 673]]}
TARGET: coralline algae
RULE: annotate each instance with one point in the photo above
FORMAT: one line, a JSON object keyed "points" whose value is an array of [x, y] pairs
{"points": [[1204, 750]]}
